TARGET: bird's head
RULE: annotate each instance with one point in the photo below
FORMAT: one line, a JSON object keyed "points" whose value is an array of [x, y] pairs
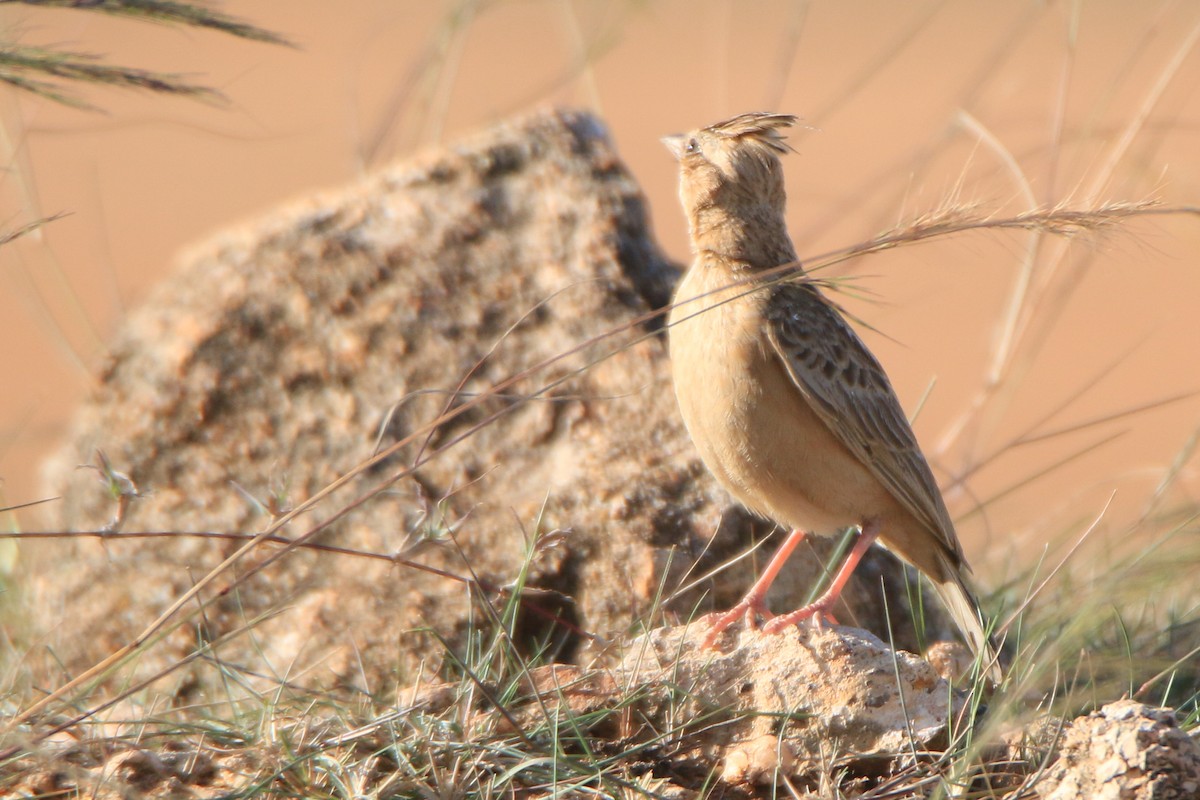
{"points": [[732, 167]]}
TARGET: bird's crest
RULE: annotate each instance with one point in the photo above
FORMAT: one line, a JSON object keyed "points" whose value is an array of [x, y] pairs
{"points": [[757, 126]]}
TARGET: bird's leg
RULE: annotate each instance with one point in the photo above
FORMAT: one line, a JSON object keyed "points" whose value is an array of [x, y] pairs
{"points": [[753, 603], [820, 607]]}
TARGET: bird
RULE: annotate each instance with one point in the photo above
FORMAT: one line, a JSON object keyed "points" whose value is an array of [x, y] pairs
{"points": [[789, 410]]}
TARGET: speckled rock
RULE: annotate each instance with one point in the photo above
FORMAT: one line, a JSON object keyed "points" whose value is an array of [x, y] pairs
{"points": [[1124, 751], [281, 357], [794, 702]]}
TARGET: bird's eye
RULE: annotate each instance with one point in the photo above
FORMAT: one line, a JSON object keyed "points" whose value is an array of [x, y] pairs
{"points": [[692, 147]]}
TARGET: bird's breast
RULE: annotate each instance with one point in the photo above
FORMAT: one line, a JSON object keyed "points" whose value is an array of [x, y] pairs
{"points": [[753, 428]]}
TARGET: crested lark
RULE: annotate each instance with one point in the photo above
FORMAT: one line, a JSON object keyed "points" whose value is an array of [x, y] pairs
{"points": [[789, 410]]}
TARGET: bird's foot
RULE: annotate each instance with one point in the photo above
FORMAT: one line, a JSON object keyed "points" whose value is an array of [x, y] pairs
{"points": [[750, 608], [817, 613]]}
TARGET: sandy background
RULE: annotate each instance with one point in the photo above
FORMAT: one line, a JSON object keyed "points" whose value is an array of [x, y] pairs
{"points": [[909, 104]]}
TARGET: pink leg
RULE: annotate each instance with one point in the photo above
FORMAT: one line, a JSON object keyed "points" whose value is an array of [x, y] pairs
{"points": [[752, 603], [820, 607]]}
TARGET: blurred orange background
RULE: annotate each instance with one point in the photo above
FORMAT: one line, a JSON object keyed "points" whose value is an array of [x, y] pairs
{"points": [[911, 106]]}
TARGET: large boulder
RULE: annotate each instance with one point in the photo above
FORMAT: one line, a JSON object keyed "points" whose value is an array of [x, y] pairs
{"points": [[282, 356]]}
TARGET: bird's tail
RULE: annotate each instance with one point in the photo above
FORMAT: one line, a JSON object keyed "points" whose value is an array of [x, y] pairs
{"points": [[964, 609]]}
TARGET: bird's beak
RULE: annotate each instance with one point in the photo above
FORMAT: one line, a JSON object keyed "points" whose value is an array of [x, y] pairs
{"points": [[675, 143]]}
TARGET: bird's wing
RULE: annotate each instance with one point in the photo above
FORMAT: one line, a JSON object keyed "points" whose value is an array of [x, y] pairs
{"points": [[850, 392]]}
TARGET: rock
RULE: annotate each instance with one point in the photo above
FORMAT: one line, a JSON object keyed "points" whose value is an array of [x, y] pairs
{"points": [[1124, 751], [758, 761], [280, 358], [951, 660], [792, 703]]}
